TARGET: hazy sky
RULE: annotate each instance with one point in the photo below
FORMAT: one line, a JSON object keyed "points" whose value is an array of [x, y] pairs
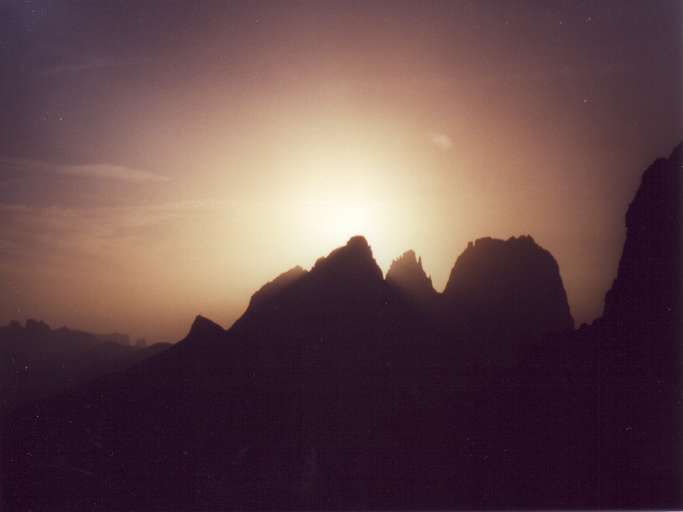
{"points": [[163, 159]]}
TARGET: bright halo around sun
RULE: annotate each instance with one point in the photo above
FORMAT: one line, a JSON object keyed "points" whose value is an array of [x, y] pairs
{"points": [[345, 193], [332, 222]]}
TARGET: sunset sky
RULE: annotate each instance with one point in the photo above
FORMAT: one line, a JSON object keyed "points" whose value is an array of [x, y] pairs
{"points": [[164, 159]]}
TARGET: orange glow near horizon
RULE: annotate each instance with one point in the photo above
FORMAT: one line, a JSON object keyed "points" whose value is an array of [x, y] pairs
{"points": [[149, 178], [286, 198]]}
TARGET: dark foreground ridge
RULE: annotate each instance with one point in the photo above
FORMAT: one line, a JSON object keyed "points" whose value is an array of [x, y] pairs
{"points": [[338, 389]]}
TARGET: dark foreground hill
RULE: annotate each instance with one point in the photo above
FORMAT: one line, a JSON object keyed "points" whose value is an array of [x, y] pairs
{"points": [[339, 389]]}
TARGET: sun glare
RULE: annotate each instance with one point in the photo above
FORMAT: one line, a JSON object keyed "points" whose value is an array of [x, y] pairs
{"points": [[332, 222], [343, 193], [340, 186]]}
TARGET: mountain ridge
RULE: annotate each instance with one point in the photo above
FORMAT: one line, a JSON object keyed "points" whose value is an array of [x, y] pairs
{"points": [[341, 393]]}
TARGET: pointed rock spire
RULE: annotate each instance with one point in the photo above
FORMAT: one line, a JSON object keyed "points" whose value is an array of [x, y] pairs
{"points": [[202, 327], [407, 274]]}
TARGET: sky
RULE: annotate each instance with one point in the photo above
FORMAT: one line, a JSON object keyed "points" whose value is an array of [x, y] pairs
{"points": [[159, 160]]}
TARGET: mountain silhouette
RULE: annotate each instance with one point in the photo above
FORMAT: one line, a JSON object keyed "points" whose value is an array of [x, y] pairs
{"points": [[406, 273], [638, 341], [646, 292], [510, 287], [203, 328], [340, 389], [271, 289], [345, 283]]}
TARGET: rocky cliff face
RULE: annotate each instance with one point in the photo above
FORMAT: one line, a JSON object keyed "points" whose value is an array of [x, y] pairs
{"points": [[507, 287], [646, 292], [638, 347]]}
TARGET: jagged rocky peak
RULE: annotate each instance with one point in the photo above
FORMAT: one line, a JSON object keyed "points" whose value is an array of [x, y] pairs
{"points": [[488, 242], [342, 287], [354, 261], [272, 288], [406, 273], [509, 285], [647, 288]]}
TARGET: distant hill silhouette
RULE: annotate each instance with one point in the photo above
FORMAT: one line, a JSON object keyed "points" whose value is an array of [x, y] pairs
{"points": [[340, 389], [36, 361], [115, 337]]}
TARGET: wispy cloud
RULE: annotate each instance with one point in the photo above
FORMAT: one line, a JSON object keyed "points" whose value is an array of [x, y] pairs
{"points": [[48, 232], [112, 172], [94, 171], [441, 140]]}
